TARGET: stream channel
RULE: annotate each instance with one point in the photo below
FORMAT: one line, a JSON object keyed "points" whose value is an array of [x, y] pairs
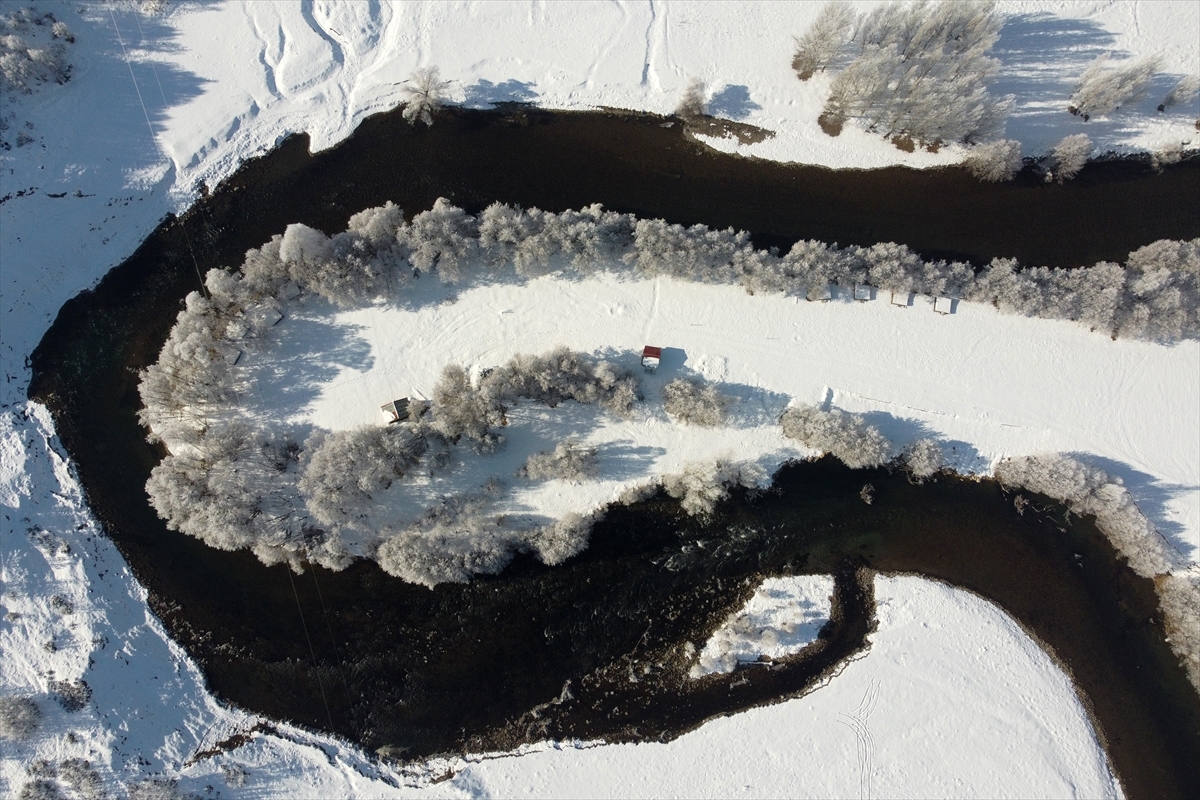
{"points": [[415, 672]]}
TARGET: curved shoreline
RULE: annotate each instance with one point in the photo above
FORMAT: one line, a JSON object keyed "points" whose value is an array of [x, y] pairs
{"points": [[82, 372]]}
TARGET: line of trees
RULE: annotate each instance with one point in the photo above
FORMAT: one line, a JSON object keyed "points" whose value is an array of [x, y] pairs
{"points": [[1088, 490]]}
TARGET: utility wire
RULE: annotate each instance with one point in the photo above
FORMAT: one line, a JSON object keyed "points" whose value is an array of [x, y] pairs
{"points": [[316, 668], [154, 137]]}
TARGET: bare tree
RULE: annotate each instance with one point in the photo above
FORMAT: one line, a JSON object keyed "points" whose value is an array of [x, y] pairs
{"points": [[691, 105], [1069, 157], [994, 161], [821, 42], [1184, 91], [424, 95], [1102, 89]]}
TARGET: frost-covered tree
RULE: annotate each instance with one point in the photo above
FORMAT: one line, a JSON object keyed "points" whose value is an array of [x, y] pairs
{"points": [[1182, 93], [994, 161], [1070, 156], [816, 49], [444, 238], [691, 104], [1179, 599], [424, 92], [695, 402], [922, 71], [453, 541], [1102, 89], [347, 470], [569, 461], [923, 458], [19, 718], [845, 436], [701, 486], [558, 541]]}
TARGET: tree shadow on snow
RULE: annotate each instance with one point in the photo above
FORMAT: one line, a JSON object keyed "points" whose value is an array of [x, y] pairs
{"points": [[293, 371], [1041, 57], [1151, 495], [483, 93], [732, 102]]}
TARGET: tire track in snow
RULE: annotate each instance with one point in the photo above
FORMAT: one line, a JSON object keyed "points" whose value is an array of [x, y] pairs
{"points": [[267, 65], [608, 45]]}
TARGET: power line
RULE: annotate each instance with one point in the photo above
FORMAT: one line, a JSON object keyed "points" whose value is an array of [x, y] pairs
{"points": [[153, 137], [316, 667]]}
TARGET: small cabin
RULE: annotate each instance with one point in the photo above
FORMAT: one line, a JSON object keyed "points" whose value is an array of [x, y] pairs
{"points": [[862, 292], [943, 305], [820, 294], [397, 410], [901, 299], [651, 357]]}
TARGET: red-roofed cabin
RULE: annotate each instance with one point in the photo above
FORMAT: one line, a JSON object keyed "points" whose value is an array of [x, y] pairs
{"points": [[651, 357]]}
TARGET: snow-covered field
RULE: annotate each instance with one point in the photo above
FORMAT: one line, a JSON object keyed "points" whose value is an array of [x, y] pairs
{"points": [[208, 85]]}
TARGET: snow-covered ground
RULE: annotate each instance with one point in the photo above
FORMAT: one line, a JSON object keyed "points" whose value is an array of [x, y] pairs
{"points": [[209, 84], [782, 618]]}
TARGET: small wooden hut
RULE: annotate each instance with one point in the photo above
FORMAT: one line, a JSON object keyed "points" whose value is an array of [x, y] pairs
{"points": [[651, 357]]}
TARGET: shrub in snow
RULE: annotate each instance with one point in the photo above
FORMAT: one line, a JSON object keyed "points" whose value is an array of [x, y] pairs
{"points": [[82, 777], [19, 718], [33, 50], [235, 775], [701, 486], [994, 161], [1069, 156], [71, 695], [424, 93], [923, 458], [156, 789], [922, 72], [558, 541], [816, 49], [696, 403], [845, 436], [40, 790], [568, 461], [61, 605], [1102, 89], [691, 105], [1181, 93]]}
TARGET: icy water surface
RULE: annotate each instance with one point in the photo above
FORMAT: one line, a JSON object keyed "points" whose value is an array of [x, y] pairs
{"points": [[478, 666]]}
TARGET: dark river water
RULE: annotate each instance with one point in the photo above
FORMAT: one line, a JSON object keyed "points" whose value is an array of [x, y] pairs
{"points": [[419, 672]]}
